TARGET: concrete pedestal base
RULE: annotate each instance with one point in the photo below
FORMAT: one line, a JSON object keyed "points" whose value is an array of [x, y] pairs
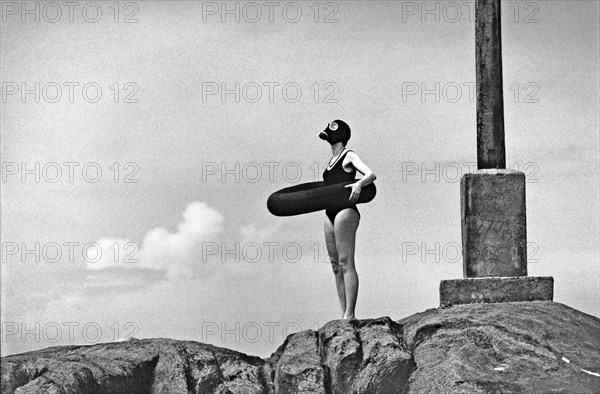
{"points": [[496, 289], [494, 228]]}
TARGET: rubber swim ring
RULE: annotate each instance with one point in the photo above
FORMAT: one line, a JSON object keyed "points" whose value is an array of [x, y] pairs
{"points": [[315, 196]]}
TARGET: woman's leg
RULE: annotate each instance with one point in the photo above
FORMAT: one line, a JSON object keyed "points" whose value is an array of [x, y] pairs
{"points": [[345, 226], [333, 258]]}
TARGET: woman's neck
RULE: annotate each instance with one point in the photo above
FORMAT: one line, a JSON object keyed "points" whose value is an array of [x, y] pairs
{"points": [[337, 148]]}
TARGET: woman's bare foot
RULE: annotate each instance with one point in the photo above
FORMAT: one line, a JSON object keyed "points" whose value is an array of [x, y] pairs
{"points": [[348, 317]]}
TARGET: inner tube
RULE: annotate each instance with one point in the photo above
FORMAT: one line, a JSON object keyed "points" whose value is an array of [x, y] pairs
{"points": [[315, 196]]}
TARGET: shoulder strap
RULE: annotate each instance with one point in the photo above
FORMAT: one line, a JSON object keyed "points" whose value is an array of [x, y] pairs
{"points": [[341, 157]]}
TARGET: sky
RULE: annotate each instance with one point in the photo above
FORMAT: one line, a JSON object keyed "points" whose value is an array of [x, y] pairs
{"points": [[140, 142]]}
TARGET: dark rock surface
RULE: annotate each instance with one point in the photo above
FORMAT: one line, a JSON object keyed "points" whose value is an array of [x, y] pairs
{"points": [[362, 356], [141, 366], [529, 347], [513, 347]]}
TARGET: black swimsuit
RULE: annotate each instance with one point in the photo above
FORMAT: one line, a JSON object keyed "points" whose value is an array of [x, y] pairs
{"points": [[337, 174]]}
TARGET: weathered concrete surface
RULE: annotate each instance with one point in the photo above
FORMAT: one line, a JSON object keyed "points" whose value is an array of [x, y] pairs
{"points": [[494, 223], [490, 98], [516, 347], [498, 289]]}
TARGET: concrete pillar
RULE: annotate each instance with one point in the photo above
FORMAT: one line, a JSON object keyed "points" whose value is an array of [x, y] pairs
{"points": [[494, 221], [490, 99]]}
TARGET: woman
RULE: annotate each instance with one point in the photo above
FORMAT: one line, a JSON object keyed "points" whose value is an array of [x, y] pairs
{"points": [[341, 222]]}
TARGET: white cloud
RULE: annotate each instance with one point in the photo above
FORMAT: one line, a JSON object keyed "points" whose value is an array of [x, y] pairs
{"points": [[111, 252], [161, 249]]}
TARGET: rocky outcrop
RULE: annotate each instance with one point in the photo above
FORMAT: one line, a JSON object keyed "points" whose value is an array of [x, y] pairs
{"points": [[139, 366], [476, 348], [367, 356], [519, 347]]}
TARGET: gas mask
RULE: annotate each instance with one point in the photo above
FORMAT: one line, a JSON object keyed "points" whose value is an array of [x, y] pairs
{"points": [[336, 131]]}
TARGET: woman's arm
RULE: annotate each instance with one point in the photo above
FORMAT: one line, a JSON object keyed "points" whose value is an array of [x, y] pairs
{"points": [[368, 175]]}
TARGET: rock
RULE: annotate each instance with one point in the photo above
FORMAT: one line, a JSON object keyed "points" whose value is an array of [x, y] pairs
{"points": [[143, 366], [386, 360], [365, 356], [360, 356], [297, 365], [516, 347]]}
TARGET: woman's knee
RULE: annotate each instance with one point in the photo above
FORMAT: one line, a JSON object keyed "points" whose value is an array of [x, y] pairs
{"points": [[345, 262], [332, 252], [335, 266]]}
